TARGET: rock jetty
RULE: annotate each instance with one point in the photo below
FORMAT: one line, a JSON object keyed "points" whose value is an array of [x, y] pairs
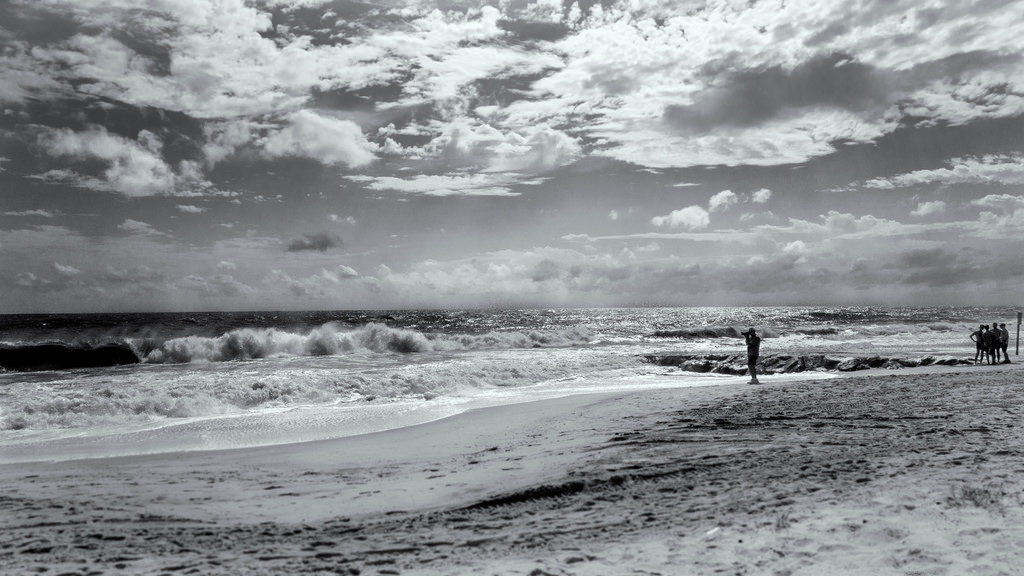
{"points": [[736, 364], [63, 357]]}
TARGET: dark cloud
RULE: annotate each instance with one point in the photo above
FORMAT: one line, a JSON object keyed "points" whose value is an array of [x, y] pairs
{"points": [[544, 31], [754, 96], [751, 97], [37, 25], [320, 242], [546, 269]]}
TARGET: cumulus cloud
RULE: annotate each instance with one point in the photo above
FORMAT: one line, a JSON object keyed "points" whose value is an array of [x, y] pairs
{"points": [[324, 138], [135, 168], [320, 242], [796, 247], [343, 272], [66, 270], [760, 196], [691, 218], [139, 228], [459, 184], [991, 169], [929, 208], [218, 285], [722, 201], [190, 209], [529, 149], [346, 219], [1002, 202], [318, 285]]}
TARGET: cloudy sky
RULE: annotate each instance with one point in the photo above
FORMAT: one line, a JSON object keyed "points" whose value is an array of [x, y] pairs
{"points": [[302, 154]]}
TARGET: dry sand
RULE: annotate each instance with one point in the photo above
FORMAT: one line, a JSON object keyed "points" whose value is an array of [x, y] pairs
{"points": [[908, 472]]}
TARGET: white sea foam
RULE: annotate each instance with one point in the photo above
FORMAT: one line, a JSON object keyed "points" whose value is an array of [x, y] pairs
{"points": [[333, 338], [151, 393], [309, 423]]}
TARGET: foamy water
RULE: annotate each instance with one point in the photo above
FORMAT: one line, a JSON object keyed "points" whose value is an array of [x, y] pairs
{"points": [[229, 381]]}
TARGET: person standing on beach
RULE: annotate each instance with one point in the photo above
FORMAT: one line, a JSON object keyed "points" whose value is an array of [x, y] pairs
{"points": [[753, 351], [994, 336], [989, 338], [978, 337], [1004, 341]]}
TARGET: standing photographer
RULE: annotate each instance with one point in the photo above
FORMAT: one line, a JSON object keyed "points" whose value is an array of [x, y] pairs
{"points": [[753, 351]]}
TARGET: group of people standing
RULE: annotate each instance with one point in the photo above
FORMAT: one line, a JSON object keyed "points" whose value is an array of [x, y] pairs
{"points": [[991, 343]]}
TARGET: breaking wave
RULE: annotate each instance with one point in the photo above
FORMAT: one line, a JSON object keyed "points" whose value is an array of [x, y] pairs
{"points": [[156, 393], [333, 338], [710, 332]]}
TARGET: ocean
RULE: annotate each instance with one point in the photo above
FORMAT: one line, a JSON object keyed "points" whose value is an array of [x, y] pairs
{"points": [[220, 380]]}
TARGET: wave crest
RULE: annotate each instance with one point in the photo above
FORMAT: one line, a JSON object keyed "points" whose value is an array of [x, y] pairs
{"points": [[333, 338], [711, 332]]}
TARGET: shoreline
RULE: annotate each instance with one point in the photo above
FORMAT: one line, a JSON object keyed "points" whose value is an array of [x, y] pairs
{"points": [[301, 424], [889, 472]]}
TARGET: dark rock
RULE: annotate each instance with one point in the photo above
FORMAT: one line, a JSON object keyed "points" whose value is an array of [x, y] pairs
{"points": [[851, 364], [697, 365], [875, 361], [793, 365], [63, 357]]}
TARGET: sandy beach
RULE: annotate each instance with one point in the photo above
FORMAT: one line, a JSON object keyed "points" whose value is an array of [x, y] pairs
{"points": [[912, 471]]}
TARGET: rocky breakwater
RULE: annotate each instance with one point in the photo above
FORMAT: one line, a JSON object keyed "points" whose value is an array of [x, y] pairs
{"points": [[736, 364], [33, 357]]}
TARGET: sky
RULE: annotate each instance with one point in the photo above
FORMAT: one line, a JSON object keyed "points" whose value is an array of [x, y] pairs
{"points": [[329, 154]]}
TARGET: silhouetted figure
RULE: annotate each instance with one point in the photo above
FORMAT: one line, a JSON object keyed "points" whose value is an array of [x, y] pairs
{"points": [[1004, 341], [989, 339], [978, 337], [753, 351], [994, 336]]}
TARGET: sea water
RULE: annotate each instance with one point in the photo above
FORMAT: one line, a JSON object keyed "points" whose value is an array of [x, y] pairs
{"points": [[229, 380]]}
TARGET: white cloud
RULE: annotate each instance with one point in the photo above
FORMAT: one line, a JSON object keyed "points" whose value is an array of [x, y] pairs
{"points": [[21, 77], [139, 228], [479, 184], [470, 143], [616, 76], [323, 138], [66, 270], [722, 201], [1002, 202], [346, 219], [190, 209], [795, 248], [344, 272], [760, 196], [690, 218], [325, 283], [30, 280], [929, 208], [135, 168], [218, 285], [992, 169], [613, 215], [37, 212]]}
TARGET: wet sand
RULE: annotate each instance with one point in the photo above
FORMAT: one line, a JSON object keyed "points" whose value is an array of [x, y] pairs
{"points": [[913, 471]]}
